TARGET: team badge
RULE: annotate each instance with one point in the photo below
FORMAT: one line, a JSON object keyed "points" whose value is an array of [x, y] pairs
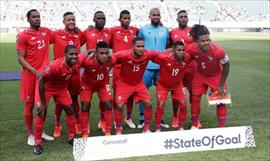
{"points": [[70, 42], [47, 69], [33, 38], [93, 70], [63, 37], [43, 34], [210, 58], [188, 34], [118, 32], [93, 34], [106, 35], [169, 64], [76, 36], [131, 31]]}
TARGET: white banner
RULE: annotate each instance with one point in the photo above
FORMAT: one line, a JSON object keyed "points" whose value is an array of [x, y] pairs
{"points": [[130, 145]]}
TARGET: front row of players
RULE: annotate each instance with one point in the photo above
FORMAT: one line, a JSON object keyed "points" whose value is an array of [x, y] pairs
{"points": [[213, 69]]}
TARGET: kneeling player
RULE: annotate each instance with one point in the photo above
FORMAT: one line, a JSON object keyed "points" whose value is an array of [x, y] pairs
{"points": [[53, 83]]}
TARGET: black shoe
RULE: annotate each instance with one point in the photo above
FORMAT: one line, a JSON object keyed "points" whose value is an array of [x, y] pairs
{"points": [[37, 149], [70, 141]]}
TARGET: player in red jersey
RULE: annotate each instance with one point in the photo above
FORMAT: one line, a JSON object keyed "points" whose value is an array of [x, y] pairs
{"points": [[122, 37], [33, 53], [173, 67], [213, 69], [53, 83], [61, 38], [96, 79], [92, 37], [130, 81], [181, 33]]}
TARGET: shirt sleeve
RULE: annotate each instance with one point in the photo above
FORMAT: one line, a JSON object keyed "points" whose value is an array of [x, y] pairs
{"points": [[140, 34], [20, 42], [48, 71]]}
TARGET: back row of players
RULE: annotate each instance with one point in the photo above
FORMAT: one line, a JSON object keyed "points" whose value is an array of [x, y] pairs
{"points": [[139, 60]]}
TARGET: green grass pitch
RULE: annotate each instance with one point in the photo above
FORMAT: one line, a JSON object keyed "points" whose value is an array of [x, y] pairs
{"points": [[248, 83]]}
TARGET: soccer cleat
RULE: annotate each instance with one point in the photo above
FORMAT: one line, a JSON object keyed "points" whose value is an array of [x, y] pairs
{"points": [[199, 125], [141, 125], [174, 122], [78, 128], [107, 134], [216, 98], [71, 141], [46, 137], [130, 123], [181, 129], [37, 149], [31, 140], [146, 128], [164, 125], [102, 125], [194, 128], [118, 131], [57, 131]]}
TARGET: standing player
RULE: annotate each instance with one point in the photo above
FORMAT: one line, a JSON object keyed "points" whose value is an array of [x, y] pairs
{"points": [[122, 37], [156, 37], [213, 69], [172, 69], [92, 37], [33, 54], [130, 81], [96, 79], [181, 33], [61, 38], [53, 83]]}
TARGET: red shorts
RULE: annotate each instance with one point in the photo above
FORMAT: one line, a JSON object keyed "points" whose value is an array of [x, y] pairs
{"points": [[29, 86], [104, 93], [74, 84], [116, 74], [61, 97], [177, 93], [201, 83], [124, 91]]}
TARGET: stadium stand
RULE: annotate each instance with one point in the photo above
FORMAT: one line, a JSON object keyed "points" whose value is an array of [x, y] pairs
{"points": [[213, 13]]}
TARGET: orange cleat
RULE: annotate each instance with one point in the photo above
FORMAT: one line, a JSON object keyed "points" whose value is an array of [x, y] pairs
{"points": [[175, 122], [57, 131], [78, 128], [102, 125]]}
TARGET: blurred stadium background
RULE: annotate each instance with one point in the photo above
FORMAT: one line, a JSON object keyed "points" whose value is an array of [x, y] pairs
{"points": [[218, 15]]}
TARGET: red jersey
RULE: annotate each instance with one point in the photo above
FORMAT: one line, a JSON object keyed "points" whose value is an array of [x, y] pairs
{"points": [[36, 46], [132, 68], [178, 34], [209, 62], [61, 38], [95, 75], [59, 73], [122, 38], [171, 71], [93, 36]]}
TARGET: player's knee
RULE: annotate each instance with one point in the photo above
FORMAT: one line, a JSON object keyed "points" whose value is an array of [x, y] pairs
{"points": [[108, 104], [85, 106], [147, 104], [68, 110]]}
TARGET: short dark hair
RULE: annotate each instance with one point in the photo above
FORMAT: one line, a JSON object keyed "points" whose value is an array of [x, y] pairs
{"points": [[68, 13], [29, 12], [102, 44], [97, 13], [198, 30], [137, 39], [68, 47], [178, 43], [182, 11], [124, 12]]}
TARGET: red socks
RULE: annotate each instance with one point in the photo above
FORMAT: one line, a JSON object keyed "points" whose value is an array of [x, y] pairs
{"points": [[28, 117]]}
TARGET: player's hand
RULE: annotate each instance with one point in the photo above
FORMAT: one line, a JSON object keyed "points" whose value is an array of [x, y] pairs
{"points": [[221, 90], [38, 74], [41, 110]]}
